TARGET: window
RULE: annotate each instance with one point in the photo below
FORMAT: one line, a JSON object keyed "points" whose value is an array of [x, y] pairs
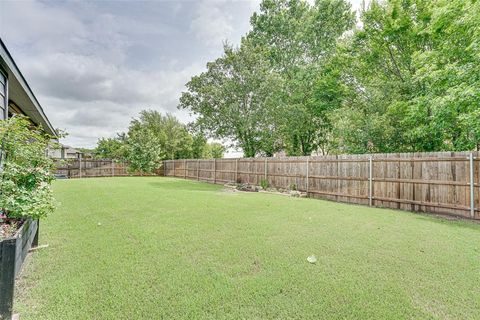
{"points": [[3, 96], [3, 109]]}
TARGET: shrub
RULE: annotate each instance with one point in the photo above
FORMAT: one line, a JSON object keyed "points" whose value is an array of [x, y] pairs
{"points": [[25, 170], [264, 184]]}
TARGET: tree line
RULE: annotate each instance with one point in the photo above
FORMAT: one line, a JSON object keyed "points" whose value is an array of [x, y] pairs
{"points": [[154, 137], [313, 78]]}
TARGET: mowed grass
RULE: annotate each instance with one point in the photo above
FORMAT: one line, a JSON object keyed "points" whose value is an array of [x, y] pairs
{"points": [[175, 249]]}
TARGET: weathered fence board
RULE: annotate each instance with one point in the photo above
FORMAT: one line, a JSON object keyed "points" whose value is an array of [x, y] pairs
{"points": [[437, 182]]}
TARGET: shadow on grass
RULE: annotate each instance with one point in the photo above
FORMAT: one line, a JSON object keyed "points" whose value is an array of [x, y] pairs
{"points": [[446, 219], [187, 185], [193, 185]]}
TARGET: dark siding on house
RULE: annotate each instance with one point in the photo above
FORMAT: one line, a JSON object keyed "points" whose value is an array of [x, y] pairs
{"points": [[3, 96]]}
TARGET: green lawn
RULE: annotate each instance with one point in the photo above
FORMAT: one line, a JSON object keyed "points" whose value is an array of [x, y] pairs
{"points": [[162, 248]]}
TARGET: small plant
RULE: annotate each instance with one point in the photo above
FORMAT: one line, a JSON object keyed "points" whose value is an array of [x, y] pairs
{"points": [[264, 184], [293, 187]]}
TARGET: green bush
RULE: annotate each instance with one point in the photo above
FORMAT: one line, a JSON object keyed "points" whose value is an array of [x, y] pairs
{"points": [[264, 184], [25, 170]]}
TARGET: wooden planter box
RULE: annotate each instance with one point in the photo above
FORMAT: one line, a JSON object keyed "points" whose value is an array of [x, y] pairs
{"points": [[12, 254]]}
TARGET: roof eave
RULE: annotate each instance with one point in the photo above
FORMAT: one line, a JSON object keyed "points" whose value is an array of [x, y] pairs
{"points": [[10, 63]]}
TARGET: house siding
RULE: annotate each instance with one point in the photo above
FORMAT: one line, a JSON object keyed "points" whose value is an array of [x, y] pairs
{"points": [[3, 96]]}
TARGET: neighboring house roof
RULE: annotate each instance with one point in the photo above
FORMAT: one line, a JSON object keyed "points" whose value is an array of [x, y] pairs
{"points": [[65, 147], [20, 92], [70, 149]]}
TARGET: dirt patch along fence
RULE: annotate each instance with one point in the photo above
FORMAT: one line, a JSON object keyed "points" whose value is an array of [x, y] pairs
{"points": [[89, 168], [437, 182]]}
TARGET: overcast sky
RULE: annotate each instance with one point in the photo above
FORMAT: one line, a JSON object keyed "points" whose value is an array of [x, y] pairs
{"points": [[94, 65]]}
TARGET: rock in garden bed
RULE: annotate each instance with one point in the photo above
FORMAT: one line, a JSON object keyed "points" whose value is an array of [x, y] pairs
{"points": [[253, 188], [247, 187]]}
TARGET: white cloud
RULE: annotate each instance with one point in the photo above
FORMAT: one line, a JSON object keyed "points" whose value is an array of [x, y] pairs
{"points": [[39, 22], [92, 99], [78, 67], [211, 24], [89, 78]]}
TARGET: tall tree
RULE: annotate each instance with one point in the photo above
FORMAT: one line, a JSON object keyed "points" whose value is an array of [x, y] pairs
{"points": [[379, 72], [111, 148], [301, 40], [199, 146], [413, 67], [154, 137], [146, 142], [448, 75], [237, 98], [214, 150]]}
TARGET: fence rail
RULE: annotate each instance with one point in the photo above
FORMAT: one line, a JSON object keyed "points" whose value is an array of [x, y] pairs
{"points": [[441, 182]]}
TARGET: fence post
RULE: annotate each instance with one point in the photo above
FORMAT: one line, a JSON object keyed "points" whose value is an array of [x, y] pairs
{"points": [[250, 170], [184, 169], [113, 168], [308, 178], [472, 189], [80, 166], [214, 170], [236, 170], [266, 168], [198, 170], [173, 168], [370, 181]]}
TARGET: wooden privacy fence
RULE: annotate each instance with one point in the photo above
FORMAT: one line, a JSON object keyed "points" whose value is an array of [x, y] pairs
{"points": [[440, 182], [88, 168]]}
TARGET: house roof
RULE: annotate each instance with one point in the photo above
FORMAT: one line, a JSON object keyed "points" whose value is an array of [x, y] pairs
{"points": [[70, 149], [20, 92]]}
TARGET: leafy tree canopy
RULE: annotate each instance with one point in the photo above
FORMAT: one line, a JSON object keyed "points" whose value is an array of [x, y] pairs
{"points": [[154, 137], [237, 98]]}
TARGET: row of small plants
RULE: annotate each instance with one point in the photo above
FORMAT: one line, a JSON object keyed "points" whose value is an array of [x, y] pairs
{"points": [[25, 174]]}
